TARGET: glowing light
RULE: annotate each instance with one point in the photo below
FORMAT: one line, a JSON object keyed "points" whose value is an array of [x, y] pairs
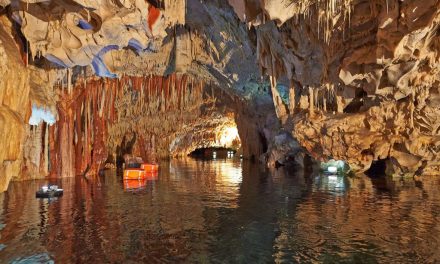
{"points": [[334, 166], [332, 169], [228, 135]]}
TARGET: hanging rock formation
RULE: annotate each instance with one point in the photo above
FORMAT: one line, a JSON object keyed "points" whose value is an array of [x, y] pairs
{"points": [[364, 77]]}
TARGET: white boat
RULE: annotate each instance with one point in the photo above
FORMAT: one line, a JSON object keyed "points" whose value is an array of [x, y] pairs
{"points": [[49, 192]]}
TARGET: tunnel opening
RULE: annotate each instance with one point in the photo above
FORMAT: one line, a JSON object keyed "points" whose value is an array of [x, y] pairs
{"points": [[214, 153], [377, 168], [126, 148], [220, 141], [263, 142]]}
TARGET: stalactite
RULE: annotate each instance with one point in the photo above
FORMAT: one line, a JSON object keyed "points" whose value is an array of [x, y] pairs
{"points": [[339, 104], [411, 109], [311, 102], [292, 102], [97, 114], [46, 149]]}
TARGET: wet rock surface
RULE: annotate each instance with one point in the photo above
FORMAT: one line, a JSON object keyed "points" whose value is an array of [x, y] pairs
{"points": [[350, 80], [363, 77]]}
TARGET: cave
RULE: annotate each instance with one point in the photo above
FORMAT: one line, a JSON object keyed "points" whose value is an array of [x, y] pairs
{"points": [[213, 153], [206, 119], [377, 168]]}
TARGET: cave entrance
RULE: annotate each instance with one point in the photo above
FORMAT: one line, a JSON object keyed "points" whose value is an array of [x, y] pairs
{"points": [[224, 142], [216, 131], [377, 168], [214, 153]]}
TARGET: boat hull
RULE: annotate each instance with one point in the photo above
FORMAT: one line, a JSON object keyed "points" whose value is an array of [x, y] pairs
{"points": [[147, 167], [134, 174], [48, 194]]}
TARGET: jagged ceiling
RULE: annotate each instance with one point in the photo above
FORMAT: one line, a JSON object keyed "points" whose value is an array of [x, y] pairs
{"points": [[363, 76], [137, 37]]}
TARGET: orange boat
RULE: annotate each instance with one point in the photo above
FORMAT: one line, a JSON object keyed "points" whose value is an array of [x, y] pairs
{"points": [[148, 167], [151, 175], [134, 174], [134, 184]]}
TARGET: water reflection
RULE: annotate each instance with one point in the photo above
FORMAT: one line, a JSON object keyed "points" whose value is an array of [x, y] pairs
{"points": [[138, 184], [227, 211], [336, 184]]}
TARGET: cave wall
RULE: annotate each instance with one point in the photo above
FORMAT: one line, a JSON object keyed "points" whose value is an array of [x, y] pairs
{"points": [[14, 104], [363, 77], [58, 48], [343, 79]]}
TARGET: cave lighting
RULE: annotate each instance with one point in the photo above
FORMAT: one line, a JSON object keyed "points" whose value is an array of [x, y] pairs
{"points": [[40, 114], [228, 135], [334, 166]]}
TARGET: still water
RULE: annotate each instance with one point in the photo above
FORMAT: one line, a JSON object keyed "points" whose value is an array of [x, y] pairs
{"points": [[223, 211]]}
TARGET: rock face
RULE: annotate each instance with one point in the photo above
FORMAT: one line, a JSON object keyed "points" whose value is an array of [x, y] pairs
{"points": [[14, 107], [81, 32], [342, 79], [364, 77], [63, 45]]}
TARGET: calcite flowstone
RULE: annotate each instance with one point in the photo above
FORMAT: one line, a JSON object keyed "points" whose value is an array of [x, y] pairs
{"points": [[14, 107]]}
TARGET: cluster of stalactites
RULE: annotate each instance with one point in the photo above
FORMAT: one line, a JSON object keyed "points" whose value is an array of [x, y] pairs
{"points": [[326, 12], [96, 115], [156, 107]]}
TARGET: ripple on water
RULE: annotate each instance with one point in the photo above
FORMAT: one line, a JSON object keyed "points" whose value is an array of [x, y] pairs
{"points": [[223, 211]]}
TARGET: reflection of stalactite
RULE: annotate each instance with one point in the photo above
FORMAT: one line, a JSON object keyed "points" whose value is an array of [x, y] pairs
{"points": [[95, 117]]}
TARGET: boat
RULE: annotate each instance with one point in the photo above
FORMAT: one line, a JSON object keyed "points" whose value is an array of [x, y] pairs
{"points": [[151, 175], [49, 192], [134, 174], [149, 167]]}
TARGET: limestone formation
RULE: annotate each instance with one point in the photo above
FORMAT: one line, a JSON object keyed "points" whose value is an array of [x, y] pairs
{"points": [[365, 76], [333, 79]]}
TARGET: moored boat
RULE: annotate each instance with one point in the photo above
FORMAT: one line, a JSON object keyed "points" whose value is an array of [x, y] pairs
{"points": [[49, 192], [151, 175], [150, 167], [134, 174]]}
